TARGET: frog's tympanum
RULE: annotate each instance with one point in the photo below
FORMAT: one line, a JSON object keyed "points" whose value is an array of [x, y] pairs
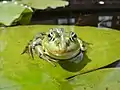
{"points": [[56, 45]]}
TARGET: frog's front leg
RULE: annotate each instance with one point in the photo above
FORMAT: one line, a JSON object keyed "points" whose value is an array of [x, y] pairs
{"points": [[82, 49], [41, 54], [82, 45], [47, 59]]}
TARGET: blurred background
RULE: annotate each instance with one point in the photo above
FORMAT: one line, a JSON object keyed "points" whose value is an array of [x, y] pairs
{"points": [[98, 13]]}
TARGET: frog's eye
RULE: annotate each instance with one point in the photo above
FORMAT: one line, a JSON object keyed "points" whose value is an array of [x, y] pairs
{"points": [[73, 35], [51, 36]]}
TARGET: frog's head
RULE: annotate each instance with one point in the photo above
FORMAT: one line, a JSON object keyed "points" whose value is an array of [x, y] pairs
{"points": [[61, 44]]}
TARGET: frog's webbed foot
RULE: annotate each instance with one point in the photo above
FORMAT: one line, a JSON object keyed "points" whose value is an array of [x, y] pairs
{"points": [[28, 49], [25, 50], [31, 52], [86, 45]]}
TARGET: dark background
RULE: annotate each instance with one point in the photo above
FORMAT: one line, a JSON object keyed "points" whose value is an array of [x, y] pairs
{"points": [[83, 13]]}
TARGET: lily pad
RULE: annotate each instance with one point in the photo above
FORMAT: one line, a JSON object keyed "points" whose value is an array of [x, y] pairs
{"points": [[43, 4], [103, 46], [29, 74], [14, 12], [105, 79], [6, 84]]}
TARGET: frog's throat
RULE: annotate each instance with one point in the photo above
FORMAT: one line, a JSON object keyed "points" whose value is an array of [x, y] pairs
{"points": [[66, 58]]}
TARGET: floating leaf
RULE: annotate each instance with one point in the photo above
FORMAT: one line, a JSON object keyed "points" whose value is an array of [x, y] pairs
{"points": [[6, 84], [14, 12], [103, 49], [105, 79], [103, 46], [43, 4]]}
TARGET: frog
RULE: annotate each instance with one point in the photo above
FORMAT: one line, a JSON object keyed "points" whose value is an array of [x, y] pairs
{"points": [[56, 45]]}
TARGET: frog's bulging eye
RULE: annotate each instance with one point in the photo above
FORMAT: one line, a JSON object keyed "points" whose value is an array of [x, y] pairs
{"points": [[51, 33], [51, 36], [73, 36]]}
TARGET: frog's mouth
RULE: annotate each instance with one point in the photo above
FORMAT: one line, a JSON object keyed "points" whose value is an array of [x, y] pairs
{"points": [[62, 57], [63, 54], [60, 52]]}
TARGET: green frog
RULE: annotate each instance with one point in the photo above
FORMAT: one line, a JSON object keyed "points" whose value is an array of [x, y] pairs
{"points": [[56, 45]]}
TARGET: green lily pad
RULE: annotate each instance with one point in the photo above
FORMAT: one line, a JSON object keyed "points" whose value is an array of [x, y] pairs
{"points": [[106, 79], [13, 12], [6, 84], [103, 46], [29, 74], [43, 4]]}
